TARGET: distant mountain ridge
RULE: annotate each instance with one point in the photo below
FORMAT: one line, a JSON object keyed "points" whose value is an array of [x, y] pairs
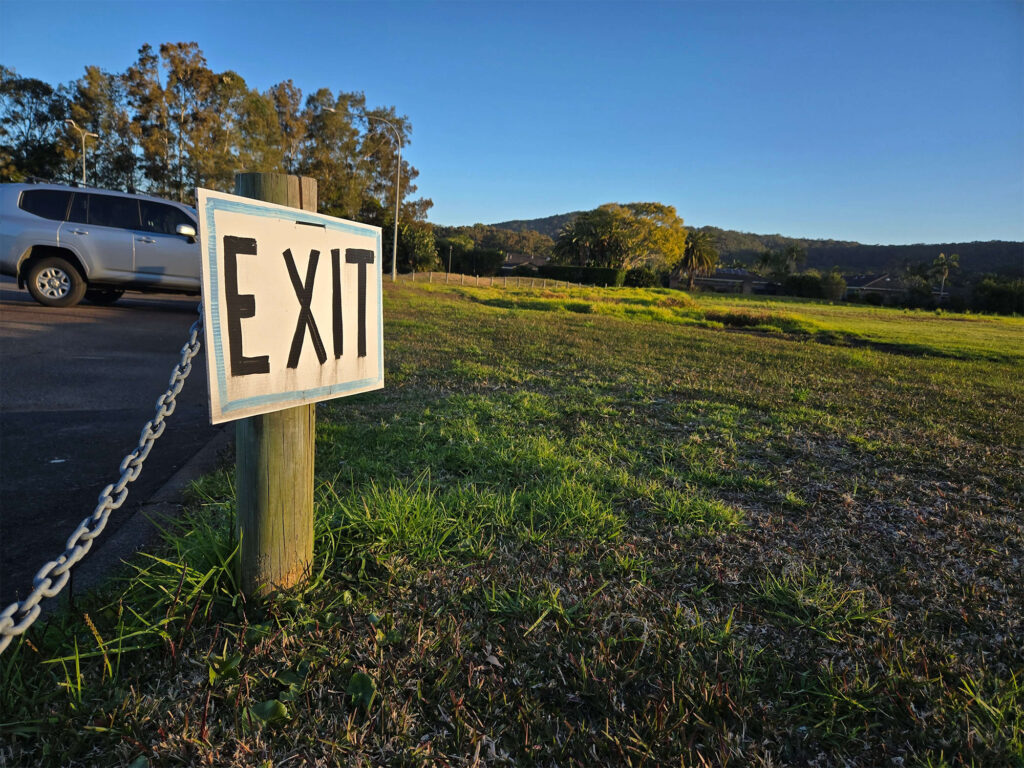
{"points": [[549, 225], [1004, 257]]}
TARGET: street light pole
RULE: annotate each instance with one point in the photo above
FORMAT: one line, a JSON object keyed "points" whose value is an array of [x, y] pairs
{"points": [[83, 133], [398, 181], [398, 197]]}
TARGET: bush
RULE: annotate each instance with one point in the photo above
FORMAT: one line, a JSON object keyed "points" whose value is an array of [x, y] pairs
{"points": [[833, 286], [1001, 296], [646, 277], [417, 249], [479, 261], [872, 298], [807, 285], [587, 275], [956, 303], [918, 293]]}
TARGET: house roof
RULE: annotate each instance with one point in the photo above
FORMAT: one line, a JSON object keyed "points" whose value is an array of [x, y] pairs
{"points": [[736, 273], [518, 259]]}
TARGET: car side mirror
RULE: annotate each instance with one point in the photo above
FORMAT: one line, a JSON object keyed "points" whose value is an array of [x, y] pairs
{"points": [[186, 230]]}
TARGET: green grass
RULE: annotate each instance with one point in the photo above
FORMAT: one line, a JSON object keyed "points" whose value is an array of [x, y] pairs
{"points": [[588, 526]]}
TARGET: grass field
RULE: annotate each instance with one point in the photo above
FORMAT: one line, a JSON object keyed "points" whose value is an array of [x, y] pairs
{"points": [[595, 527]]}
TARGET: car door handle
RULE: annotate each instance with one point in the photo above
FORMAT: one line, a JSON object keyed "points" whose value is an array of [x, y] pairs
{"points": [[146, 240], [79, 232]]}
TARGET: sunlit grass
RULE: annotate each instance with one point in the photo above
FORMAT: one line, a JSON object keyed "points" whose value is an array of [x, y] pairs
{"points": [[586, 526]]}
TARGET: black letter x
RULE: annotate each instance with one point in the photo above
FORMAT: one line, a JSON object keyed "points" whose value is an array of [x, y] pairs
{"points": [[304, 293]]}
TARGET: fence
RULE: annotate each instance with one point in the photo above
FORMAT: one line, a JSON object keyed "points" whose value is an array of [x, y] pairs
{"points": [[17, 617], [489, 281]]}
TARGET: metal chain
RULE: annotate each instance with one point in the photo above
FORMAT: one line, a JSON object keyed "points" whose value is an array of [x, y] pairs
{"points": [[52, 577]]}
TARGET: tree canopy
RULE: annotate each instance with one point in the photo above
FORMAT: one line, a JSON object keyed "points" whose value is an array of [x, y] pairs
{"points": [[494, 238], [623, 237], [169, 123], [700, 256]]}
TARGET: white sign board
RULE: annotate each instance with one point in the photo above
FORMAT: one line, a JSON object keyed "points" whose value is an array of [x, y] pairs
{"points": [[292, 304]]}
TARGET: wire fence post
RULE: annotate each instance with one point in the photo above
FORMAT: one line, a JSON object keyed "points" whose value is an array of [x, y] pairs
{"points": [[274, 452]]}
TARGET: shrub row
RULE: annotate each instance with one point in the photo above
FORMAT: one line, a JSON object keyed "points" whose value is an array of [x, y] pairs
{"points": [[990, 295], [812, 285], [586, 275], [479, 261]]}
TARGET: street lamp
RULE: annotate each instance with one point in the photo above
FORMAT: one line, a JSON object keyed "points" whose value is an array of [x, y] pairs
{"points": [[84, 133], [398, 177], [398, 197]]}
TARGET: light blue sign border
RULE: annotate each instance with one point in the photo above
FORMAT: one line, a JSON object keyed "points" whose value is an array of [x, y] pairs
{"points": [[253, 208]]}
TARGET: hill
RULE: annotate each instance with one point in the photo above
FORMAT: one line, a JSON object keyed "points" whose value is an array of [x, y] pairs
{"points": [[550, 225], [851, 257]]}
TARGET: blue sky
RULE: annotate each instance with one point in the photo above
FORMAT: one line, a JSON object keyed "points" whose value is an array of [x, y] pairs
{"points": [[883, 122]]}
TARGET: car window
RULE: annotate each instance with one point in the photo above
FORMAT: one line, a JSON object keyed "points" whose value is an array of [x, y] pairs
{"points": [[111, 211], [48, 203], [79, 212], [162, 219]]}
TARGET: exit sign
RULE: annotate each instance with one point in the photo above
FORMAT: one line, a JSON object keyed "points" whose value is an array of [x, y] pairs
{"points": [[292, 304]]}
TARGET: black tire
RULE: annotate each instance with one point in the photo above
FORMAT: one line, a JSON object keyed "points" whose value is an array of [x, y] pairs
{"points": [[103, 296], [55, 282]]}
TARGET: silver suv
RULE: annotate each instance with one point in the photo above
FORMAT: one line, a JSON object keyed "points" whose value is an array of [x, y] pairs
{"points": [[66, 243]]}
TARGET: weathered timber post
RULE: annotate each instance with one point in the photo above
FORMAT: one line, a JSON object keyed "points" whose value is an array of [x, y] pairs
{"points": [[274, 451]]}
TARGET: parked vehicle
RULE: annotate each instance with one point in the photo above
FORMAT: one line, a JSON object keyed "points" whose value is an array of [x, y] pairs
{"points": [[69, 243]]}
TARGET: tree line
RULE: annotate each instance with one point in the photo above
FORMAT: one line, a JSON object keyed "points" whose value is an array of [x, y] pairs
{"points": [[996, 256], [169, 124]]}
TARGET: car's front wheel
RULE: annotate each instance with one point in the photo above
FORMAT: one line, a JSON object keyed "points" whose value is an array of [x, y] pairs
{"points": [[103, 296], [54, 282]]}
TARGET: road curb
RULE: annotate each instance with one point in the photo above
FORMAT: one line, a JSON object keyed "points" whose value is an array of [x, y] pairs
{"points": [[143, 527]]}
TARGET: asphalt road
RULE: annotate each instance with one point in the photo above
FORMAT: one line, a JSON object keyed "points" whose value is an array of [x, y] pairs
{"points": [[76, 387]]}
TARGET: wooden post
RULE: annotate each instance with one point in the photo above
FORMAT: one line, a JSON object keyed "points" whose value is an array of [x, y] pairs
{"points": [[274, 452]]}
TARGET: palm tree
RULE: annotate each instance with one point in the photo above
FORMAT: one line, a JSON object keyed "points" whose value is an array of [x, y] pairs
{"points": [[941, 267], [700, 256]]}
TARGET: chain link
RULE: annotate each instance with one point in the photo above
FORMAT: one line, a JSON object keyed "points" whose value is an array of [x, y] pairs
{"points": [[52, 577]]}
